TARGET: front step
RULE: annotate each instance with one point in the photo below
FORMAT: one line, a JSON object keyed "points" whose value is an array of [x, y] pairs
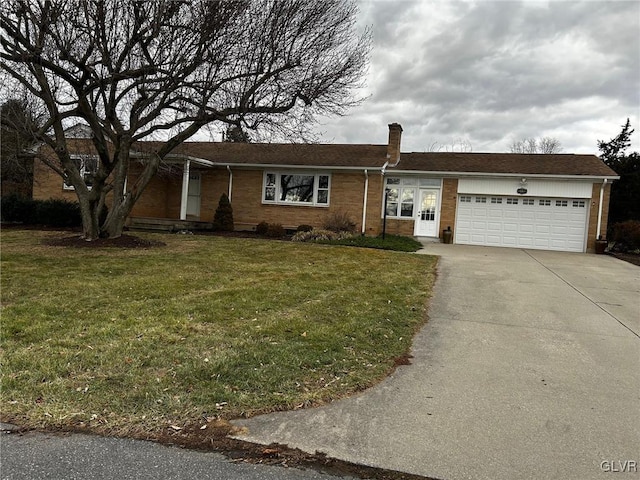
{"points": [[167, 224]]}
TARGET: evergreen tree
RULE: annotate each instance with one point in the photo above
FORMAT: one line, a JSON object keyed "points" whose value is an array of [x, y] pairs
{"points": [[625, 193], [223, 218]]}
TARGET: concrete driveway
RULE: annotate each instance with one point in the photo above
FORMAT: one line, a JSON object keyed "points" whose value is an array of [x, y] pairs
{"points": [[528, 368]]}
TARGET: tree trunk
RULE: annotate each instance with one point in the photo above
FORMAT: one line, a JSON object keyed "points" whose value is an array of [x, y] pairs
{"points": [[89, 214], [114, 223]]}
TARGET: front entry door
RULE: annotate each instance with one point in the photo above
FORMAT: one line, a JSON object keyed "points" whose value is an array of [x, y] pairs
{"points": [[193, 196], [427, 220]]}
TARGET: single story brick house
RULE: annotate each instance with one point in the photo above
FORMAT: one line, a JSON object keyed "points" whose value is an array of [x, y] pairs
{"points": [[537, 201]]}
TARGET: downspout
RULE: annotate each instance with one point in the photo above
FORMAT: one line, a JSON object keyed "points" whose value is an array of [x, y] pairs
{"points": [[384, 204], [185, 190], [364, 203], [230, 181], [598, 233]]}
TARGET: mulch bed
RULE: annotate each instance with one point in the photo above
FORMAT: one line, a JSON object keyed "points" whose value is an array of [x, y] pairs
{"points": [[627, 257], [131, 241], [123, 241]]}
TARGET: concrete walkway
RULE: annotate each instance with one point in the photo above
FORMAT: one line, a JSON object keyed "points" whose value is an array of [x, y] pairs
{"points": [[528, 368]]}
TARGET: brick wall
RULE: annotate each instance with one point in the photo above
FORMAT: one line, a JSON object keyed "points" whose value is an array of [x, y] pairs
{"points": [[48, 184], [153, 201], [374, 204], [448, 206], [346, 195]]}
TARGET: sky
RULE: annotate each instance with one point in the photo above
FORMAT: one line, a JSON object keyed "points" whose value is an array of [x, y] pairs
{"points": [[479, 75]]}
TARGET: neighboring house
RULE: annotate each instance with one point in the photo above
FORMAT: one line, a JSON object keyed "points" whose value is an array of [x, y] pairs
{"points": [[550, 202]]}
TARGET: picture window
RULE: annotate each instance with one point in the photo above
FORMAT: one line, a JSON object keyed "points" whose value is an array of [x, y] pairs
{"points": [[296, 188]]}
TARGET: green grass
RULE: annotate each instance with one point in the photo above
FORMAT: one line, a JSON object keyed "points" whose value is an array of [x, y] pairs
{"points": [[390, 242], [121, 340]]}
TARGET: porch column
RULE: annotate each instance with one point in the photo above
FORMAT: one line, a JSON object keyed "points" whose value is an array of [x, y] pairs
{"points": [[185, 190]]}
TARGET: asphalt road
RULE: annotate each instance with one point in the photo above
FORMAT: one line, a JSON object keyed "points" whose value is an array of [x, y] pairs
{"points": [[36, 456]]}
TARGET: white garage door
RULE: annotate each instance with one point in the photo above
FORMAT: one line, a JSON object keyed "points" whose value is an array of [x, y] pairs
{"points": [[538, 223]]}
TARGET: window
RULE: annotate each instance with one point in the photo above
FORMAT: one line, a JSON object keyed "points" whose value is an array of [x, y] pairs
{"points": [[87, 166], [528, 201], [300, 189], [465, 199], [579, 203], [401, 196], [561, 203], [545, 203], [496, 200], [481, 199], [512, 201]]}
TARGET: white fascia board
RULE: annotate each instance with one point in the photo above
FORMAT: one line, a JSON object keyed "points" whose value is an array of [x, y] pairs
{"points": [[175, 158], [506, 175], [279, 166]]}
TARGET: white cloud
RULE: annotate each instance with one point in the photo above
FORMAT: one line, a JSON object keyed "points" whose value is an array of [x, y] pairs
{"points": [[495, 71]]}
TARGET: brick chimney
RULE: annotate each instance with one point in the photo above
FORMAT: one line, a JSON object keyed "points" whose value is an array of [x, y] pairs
{"points": [[393, 147]]}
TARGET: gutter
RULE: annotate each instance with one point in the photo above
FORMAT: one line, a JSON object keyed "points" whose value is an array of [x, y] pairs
{"points": [[439, 173]]}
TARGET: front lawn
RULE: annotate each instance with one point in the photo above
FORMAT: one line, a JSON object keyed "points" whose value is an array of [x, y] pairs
{"points": [[120, 341], [398, 243]]}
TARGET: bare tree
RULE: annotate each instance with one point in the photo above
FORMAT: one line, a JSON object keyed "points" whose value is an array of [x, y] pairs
{"points": [[16, 166], [134, 70], [456, 145], [539, 145]]}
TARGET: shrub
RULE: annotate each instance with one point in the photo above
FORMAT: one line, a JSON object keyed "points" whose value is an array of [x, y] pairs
{"points": [[304, 228], [58, 213], [261, 228], [17, 208], [223, 218], [320, 235], [626, 236], [275, 230], [339, 222]]}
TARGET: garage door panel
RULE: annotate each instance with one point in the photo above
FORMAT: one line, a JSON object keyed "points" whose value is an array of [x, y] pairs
{"points": [[494, 240], [509, 241], [543, 223]]}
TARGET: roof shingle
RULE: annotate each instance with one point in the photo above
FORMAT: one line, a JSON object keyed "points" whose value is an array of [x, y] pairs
{"points": [[505, 163], [361, 156]]}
